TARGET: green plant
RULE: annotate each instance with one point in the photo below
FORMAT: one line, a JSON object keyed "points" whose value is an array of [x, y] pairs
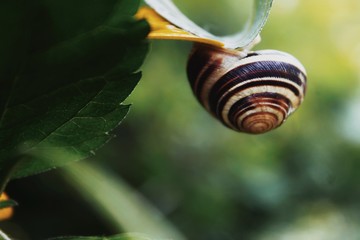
{"points": [[66, 68]]}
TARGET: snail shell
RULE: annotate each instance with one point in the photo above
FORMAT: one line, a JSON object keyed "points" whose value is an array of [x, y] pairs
{"points": [[251, 92]]}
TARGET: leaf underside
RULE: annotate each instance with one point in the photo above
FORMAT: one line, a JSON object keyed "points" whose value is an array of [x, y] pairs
{"points": [[65, 69], [242, 39]]}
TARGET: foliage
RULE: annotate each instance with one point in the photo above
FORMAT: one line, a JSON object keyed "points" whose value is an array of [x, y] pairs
{"points": [[65, 69], [298, 182], [118, 203]]}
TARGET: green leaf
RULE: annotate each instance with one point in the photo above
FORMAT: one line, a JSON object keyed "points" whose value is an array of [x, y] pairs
{"points": [[127, 236], [63, 89], [243, 39], [256, 22], [7, 203], [118, 203]]}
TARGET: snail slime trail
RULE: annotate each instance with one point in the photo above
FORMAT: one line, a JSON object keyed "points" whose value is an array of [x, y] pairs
{"points": [[250, 92]]}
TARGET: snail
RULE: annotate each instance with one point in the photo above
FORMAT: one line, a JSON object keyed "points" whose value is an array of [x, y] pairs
{"points": [[248, 91], [252, 92]]}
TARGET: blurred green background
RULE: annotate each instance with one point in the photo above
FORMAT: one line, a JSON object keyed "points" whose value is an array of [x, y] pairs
{"points": [[301, 181]]}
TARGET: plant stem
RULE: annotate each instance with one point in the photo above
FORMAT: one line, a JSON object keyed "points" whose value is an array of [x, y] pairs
{"points": [[7, 170], [3, 236], [117, 202]]}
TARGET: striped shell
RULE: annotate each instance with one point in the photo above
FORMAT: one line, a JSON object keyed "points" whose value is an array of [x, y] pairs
{"points": [[251, 93]]}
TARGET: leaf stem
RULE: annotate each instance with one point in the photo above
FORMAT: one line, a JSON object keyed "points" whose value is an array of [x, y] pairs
{"points": [[7, 170], [4, 236], [117, 202]]}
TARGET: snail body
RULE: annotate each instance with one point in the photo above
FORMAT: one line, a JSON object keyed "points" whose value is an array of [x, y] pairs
{"points": [[250, 92]]}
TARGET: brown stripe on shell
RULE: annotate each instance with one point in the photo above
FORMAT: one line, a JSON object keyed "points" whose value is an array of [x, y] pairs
{"points": [[198, 85], [197, 61], [231, 88], [257, 100], [258, 122], [248, 101], [258, 72], [263, 108], [216, 66], [218, 103]]}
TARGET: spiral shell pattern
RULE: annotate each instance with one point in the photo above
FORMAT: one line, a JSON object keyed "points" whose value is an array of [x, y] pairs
{"points": [[252, 93]]}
